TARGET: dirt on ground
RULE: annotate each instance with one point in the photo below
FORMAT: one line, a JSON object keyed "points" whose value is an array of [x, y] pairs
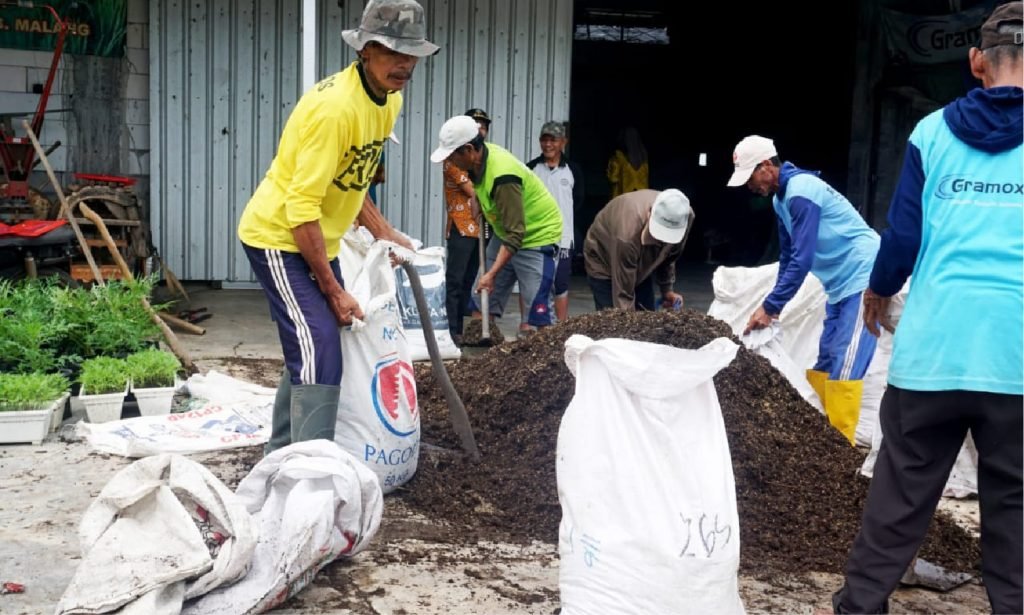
{"points": [[799, 491], [265, 372], [473, 333]]}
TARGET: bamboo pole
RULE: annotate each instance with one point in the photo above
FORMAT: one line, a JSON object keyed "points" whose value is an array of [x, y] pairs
{"points": [[65, 210], [182, 324]]}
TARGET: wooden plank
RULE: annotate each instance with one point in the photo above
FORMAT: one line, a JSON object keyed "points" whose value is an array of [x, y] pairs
{"points": [[109, 222], [99, 243]]}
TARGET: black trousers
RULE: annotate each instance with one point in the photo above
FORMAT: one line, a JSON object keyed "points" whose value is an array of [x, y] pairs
{"points": [[460, 273], [643, 295], [922, 432]]}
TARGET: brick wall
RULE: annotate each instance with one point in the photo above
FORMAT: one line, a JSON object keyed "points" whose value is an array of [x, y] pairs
{"points": [[21, 70], [135, 153]]}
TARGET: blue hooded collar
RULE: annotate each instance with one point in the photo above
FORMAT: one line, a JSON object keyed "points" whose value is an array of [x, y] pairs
{"points": [[989, 120], [787, 172]]}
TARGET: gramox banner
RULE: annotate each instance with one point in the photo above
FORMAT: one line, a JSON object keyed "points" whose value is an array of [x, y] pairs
{"points": [[95, 27], [933, 39]]}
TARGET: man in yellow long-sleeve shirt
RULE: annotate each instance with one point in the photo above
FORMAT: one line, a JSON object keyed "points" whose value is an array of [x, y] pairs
{"points": [[315, 188]]}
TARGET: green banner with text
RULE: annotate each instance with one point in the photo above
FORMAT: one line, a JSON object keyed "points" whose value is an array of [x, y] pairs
{"points": [[96, 27]]}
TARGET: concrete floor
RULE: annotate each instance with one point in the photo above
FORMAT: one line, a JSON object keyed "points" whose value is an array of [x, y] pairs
{"points": [[241, 325]]}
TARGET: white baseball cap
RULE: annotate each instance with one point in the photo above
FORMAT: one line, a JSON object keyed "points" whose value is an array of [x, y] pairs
{"points": [[455, 133], [749, 153], [670, 215]]}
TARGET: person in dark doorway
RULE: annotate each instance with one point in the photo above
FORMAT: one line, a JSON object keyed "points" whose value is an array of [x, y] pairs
{"points": [[564, 180], [821, 233], [633, 244], [627, 167], [315, 188], [462, 232], [956, 229], [526, 220]]}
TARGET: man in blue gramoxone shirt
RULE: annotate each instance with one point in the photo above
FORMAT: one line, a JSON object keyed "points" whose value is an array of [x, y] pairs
{"points": [[956, 227]]}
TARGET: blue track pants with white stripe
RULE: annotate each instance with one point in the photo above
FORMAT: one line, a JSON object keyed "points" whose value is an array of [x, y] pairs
{"points": [[846, 346], [305, 323]]}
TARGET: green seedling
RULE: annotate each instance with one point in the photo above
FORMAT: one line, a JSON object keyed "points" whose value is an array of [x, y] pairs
{"points": [[152, 368], [104, 375], [30, 391]]}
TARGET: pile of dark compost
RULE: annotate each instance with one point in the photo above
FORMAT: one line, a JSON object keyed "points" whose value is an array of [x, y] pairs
{"points": [[798, 487]]}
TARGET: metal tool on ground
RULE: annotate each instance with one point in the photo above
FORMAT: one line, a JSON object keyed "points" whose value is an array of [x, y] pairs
{"points": [[65, 210], [172, 340], [195, 316], [456, 410], [926, 574]]}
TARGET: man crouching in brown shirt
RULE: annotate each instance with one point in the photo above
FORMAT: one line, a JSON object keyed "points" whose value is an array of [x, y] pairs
{"points": [[633, 244]]}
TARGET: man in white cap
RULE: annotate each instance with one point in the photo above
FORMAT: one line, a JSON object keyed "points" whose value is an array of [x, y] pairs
{"points": [[315, 188], [525, 217], [821, 233], [633, 244]]}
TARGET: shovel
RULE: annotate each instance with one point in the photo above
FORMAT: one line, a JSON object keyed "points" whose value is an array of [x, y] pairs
{"points": [[456, 410], [485, 306], [926, 574]]}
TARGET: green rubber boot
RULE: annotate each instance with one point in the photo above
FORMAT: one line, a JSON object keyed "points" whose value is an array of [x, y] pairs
{"points": [[281, 424], [314, 411]]}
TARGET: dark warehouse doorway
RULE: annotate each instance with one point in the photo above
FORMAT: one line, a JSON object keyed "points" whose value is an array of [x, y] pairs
{"points": [[696, 82]]}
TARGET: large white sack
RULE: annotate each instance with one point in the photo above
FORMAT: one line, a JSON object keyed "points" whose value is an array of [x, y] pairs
{"points": [[645, 481], [354, 245], [767, 342], [313, 503], [378, 413], [739, 291], [162, 530], [430, 265]]}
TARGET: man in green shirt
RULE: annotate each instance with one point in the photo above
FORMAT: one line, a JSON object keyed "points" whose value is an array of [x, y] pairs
{"points": [[524, 215]]}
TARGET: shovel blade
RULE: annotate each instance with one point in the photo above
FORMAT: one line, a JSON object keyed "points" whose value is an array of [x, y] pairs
{"points": [[926, 574]]}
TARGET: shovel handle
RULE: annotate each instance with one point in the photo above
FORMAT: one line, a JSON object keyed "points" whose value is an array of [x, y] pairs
{"points": [[485, 306], [456, 410]]}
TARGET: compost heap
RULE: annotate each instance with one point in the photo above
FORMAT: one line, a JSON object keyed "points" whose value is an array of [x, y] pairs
{"points": [[798, 488]]}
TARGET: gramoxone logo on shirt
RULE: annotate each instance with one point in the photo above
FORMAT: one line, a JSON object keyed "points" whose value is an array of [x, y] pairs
{"points": [[957, 186]]}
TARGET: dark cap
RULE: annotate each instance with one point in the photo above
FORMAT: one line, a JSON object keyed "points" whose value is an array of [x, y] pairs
{"points": [[479, 115], [553, 128], [1010, 14]]}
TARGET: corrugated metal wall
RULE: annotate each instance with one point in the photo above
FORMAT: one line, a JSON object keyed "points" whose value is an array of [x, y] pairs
{"points": [[225, 76]]}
